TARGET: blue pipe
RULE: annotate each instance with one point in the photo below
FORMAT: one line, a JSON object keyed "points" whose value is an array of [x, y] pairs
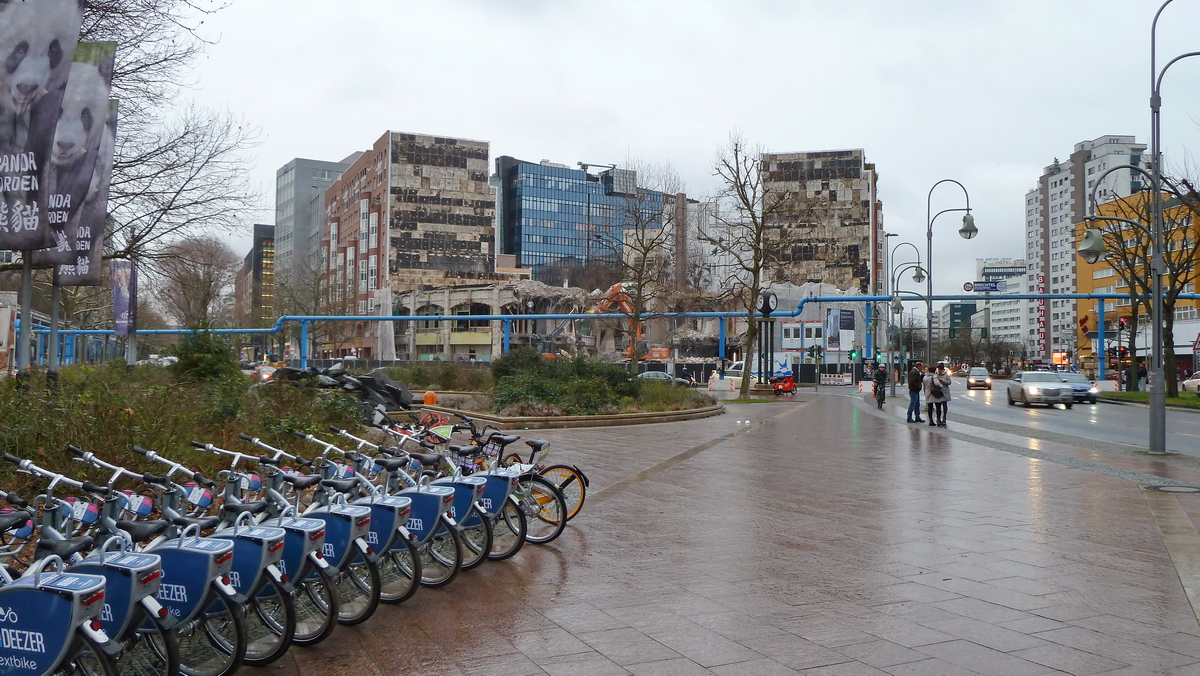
{"points": [[1103, 357], [507, 336]]}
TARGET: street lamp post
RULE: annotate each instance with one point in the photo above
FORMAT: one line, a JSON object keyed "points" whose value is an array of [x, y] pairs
{"points": [[967, 231], [897, 306]]}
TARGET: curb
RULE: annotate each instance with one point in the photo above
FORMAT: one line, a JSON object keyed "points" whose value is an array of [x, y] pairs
{"points": [[572, 421], [1138, 404]]}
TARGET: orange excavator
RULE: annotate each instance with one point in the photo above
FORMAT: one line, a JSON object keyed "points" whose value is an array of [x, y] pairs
{"points": [[616, 298]]}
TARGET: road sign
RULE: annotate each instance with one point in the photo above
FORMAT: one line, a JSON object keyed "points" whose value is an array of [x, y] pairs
{"points": [[968, 286], [986, 287]]}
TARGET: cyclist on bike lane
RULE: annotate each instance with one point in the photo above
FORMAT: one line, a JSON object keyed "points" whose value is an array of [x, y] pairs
{"points": [[880, 376]]}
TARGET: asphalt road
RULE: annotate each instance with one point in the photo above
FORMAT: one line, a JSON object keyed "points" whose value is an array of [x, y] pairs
{"points": [[1109, 423]]}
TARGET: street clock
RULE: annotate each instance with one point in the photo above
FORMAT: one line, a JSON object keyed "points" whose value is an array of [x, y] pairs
{"points": [[767, 302]]}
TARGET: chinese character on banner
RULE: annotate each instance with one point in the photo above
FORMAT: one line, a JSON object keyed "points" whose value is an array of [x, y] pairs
{"points": [[38, 39]]}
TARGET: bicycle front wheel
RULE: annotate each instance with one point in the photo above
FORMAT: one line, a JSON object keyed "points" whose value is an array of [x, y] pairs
{"points": [[441, 556], [270, 624], [358, 590], [90, 660], [570, 482], [316, 607], [214, 642], [150, 650], [508, 531], [400, 572], [476, 534], [545, 509]]}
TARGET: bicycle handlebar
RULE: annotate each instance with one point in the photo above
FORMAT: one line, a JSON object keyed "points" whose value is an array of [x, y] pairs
{"points": [[141, 451], [199, 445], [203, 480], [14, 499], [93, 488], [245, 437], [12, 458], [76, 451]]}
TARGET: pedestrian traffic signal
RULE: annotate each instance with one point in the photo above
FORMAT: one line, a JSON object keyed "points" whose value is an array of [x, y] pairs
{"points": [[1121, 324], [853, 355], [1124, 352]]}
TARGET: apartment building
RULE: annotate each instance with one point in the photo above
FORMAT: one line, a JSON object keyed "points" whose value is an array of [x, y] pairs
{"points": [[1053, 211], [300, 187]]}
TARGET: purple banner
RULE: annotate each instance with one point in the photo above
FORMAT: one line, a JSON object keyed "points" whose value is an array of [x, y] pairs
{"points": [[37, 39], [124, 280]]}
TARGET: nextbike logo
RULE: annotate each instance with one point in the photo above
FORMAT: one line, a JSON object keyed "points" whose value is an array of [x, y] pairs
{"points": [[235, 579], [8, 615], [416, 524], [19, 662], [281, 566], [451, 512], [172, 592], [327, 550], [372, 538], [29, 641], [106, 613], [487, 503]]}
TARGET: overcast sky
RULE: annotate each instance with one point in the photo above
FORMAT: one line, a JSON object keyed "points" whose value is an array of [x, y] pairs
{"points": [[985, 92]]}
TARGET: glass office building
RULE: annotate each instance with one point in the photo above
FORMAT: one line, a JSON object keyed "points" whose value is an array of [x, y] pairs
{"points": [[554, 217]]}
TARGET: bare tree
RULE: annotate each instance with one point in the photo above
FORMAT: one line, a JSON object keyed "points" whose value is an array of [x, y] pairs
{"points": [[641, 247], [304, 290], [194, 280], [746, 229], [1130, 247]]}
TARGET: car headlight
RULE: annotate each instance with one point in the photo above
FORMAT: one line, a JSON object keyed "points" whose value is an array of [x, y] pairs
{"points": [[1035, 390], [988, 381], [1093, 391], [971, 380]]}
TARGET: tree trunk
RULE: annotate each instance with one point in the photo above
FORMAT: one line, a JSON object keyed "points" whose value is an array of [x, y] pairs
{"points": [[1132, 381], [748, 358]]}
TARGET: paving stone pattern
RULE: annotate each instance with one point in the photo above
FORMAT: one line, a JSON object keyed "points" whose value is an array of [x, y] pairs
{"points": [[814, 537]]}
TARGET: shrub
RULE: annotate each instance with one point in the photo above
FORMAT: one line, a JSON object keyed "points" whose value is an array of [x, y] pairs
{"points": [[108, 409], [204, 356]]}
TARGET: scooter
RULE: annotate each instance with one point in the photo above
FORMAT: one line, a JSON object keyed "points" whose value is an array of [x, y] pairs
{"points": [[783, 385]]}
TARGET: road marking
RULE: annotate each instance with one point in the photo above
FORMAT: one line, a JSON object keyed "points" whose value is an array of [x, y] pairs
{"points": [[1180, 538]]}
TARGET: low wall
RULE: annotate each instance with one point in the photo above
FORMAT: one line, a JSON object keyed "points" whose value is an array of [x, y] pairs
{"points": [[568, 421]]}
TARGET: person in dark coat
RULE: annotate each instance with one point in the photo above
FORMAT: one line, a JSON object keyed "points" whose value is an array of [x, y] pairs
{"points": [[914, 394]]}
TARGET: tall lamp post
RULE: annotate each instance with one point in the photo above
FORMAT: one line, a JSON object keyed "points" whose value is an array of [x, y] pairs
{"points": [[967, 231], [897, 305]]}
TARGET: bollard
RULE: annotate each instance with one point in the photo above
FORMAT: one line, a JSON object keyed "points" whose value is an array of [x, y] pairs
{"points": [[430, 398]]}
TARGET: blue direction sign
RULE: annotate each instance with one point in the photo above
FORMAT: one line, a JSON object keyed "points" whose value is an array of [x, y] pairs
{"points": [[985, 287]]}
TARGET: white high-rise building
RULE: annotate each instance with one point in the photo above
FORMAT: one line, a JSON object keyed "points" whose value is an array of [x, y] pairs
{"points": [[1052, 211], [1005, 319]]}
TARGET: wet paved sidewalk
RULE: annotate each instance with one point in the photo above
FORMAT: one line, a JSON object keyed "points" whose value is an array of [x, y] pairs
{"points": [[816, 537]]}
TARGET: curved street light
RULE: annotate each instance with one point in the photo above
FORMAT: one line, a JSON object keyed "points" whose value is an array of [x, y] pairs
{"points": [[897, 305], [967, 231]]}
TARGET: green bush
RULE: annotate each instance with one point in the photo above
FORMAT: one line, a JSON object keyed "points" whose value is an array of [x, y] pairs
{"points": [[108, 409], [443, 375], [204, 356]]}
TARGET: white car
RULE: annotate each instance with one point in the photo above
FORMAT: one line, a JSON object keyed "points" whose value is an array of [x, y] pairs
{"points": [[1191, 384]]}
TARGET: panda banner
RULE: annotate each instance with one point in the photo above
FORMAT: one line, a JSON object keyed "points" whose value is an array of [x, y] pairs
{"points": [[84, 234], [75, 181], [37, 48]]}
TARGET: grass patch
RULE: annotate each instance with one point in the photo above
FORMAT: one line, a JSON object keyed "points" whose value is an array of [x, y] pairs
{"points": [[1184, 400], [444, 376]]}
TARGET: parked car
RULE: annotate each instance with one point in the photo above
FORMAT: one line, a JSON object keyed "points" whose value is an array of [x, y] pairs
{"points": [[1082, 388], [978, 377], [1039, 387], [1191, 384], [662, 377]]}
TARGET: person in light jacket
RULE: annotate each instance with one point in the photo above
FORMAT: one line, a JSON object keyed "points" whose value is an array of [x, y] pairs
{"points": [[936, 406]]}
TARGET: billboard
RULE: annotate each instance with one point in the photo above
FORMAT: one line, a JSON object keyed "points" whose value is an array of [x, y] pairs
{"points": [[77, 177], [37, 38], [839, 329]]}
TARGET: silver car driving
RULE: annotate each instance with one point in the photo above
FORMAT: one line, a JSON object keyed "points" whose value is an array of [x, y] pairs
{"points": [[1039, 387]]}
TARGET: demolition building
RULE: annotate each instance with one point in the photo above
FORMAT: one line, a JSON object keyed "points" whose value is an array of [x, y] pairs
{"points": [[413, 212], [828, 224]]}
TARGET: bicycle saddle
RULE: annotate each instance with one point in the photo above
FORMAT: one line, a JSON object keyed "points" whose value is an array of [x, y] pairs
{"points": [[302, 481], [204, 522], [140, 531], [233, 509], [468, 449], [504, 439], [340, 485], [391, 464], [15, 519], [427, 459], [537, 444], [63, 548]]}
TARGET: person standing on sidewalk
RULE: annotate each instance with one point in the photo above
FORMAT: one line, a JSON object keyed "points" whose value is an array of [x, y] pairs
{"points": [[937, 392], [914, 394]]}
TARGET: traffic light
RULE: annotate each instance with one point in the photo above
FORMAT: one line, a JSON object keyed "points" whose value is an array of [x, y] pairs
{"points": [[878, 355], [1124, 352], [853, 355], [1121, 324], [951, 333]]}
